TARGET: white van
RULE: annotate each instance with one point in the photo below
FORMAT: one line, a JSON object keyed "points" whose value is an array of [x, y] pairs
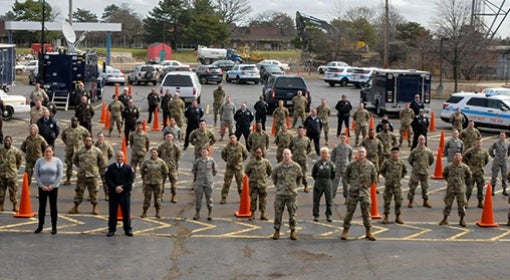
{"points": [[186, 83]]}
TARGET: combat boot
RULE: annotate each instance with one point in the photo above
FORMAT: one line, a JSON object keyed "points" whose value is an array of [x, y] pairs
{"points": [[444, 221], [173, 200], [461, 222], [293, 234], [385, 220], [369, 235], [410, 204], [94, 210], [480, 203], [158, 213], [197, 215], [276, 234], [398, 220], [345, 234], [426, 203], [67, 182], [504, 191], [263, 216], [74, 210], [144, 214], [252, 216], [223, 200], [14, 207], [306, 189], [209, 217]]}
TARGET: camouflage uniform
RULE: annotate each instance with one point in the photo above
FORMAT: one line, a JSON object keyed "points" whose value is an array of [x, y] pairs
{"points": [[451, 147], [301, 147], [227, 111], [361, 117], [323, 173], [457, 120], [299, 105], [341, 155], [36, 114], [421, 158], [139, 143], [153, 171], [324, 112], [116, 108], [280, 114], [33, 148], [469, 135], [171, 154], [393, 172], [176, 108], [108, 152], [476, 159], [282, 142], [204, 170], [406, 118], [175, 131], [85, 113], [286, 178], [456, 176], [258, 140], [202, 139], [89, 162], [234, 156], [499, 150], [388, 140], [219, 96], [360, 176], [258, 172], [10, 163], [73, 139], [38, 95], [375, 150]]}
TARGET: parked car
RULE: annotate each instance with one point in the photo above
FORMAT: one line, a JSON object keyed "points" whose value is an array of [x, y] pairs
{"points": [[267, 70], [243, 73], [168, 69], [143, 74], [225, 65], [209, 74], [496, 91], [113, 76], [14, 104], [171, 63], [361, 76], [283, 66], [338, 75], [27, 67], [322, 69], [185, 82], [285, 87]]}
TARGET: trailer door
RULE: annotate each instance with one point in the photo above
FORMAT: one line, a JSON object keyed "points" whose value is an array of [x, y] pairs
{"points": [[407, 87]]}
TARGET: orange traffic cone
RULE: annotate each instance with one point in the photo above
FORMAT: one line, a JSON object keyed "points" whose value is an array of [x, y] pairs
{"points": [[155, 124], [273, 129], [25, 207], [353, 125], [144, 125], [254, 127], [287, 121], [107, 123], [119, 214], [130, 90], [346, 135], [244, 205], [374, 211], [441, 141], [432, 122], [438, 172], [103, 112], [117, 90], [124, 149], [406, 134], [487, 214], [371, 124]]}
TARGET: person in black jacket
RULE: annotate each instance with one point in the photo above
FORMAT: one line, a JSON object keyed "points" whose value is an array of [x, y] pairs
{"points": [[380, 126], [164, 107], [420, 126], [243, 118], [119, 178], [48, 128], [194, 114], [313, 125], [344, 108], [130, 115], [416, 105], [261, 108]]}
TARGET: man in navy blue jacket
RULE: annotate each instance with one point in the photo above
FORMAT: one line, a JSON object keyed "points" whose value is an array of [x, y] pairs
{"points": [[119, 179]]}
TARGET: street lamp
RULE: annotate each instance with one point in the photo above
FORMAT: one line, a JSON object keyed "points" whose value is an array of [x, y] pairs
{"points": [[440, 88], [41, 54]]}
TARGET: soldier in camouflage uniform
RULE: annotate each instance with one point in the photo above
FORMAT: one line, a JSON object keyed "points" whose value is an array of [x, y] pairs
{"points": [[108, 152], [204, 169], [341, 155], [234, 154], [286, 176], [452, 146], [457, 120], [500, 151], [456, 175], [33, 147], [476, 158], [301, 146], [139, 142], [360, 175], [10, 162], [153, 170], [406, 118], [299, 104], [153, 102], [226, 111], [171, 154], [323, 172], [421, 158], [89, 161], [37, 112], [258, 171], [324, 112], [85, 112], [176, 108], [388, 140], [38, 94], [219, 96], [469, 135], [173, 129], [280, 114], [361, 117], [202, 138], [72, 137], [258, 139], [116, 108], [374, 148], [282, 141], [393, 170]]}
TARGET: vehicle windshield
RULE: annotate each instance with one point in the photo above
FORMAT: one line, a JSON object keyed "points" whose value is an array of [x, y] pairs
{"points": [[290, 83], [272, 67], [335, 69], [361, 71], [177, 81]]}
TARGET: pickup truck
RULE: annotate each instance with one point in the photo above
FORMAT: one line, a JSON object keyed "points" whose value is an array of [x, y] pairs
{"points": [[284, 87]]}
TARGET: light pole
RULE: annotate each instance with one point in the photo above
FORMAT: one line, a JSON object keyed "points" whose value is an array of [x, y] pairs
{"points": [[440, 88], [41, 54]]}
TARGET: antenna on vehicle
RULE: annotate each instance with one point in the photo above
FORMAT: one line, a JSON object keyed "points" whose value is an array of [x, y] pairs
{"points": [[70, 36]]}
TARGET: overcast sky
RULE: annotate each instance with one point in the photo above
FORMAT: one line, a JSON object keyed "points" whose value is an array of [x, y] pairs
{"points": [[421, 11]]}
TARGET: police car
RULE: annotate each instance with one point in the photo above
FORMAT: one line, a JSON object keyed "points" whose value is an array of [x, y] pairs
{"points": [[13, 104], [489, 109]]}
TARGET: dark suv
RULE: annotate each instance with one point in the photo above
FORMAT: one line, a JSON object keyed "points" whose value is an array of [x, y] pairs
{"points": [[285, 87], [209, 74]]}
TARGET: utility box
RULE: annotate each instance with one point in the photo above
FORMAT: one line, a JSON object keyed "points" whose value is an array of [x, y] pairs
{"points": [[7, 66]]}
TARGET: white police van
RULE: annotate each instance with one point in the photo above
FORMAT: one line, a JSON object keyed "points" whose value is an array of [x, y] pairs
{"points": [[490, 109]]}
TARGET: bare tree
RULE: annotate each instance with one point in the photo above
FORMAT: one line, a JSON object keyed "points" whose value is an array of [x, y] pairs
{"points": [[233, 11], [361, 12]]}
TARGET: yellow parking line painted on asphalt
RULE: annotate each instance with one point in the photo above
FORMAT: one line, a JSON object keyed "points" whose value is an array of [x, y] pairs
{"points": [[250, 227], [499, 237], [162, 225], [32, 221], [413, 236], [206, 226], [463, 232]]}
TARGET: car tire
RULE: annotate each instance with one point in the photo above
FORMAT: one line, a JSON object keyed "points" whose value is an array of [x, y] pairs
{"points": [[331, 84], [344, 82], [7, 114], [203, 80], [227, 79], [238, 80], [321, 71], [198, 99]]}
